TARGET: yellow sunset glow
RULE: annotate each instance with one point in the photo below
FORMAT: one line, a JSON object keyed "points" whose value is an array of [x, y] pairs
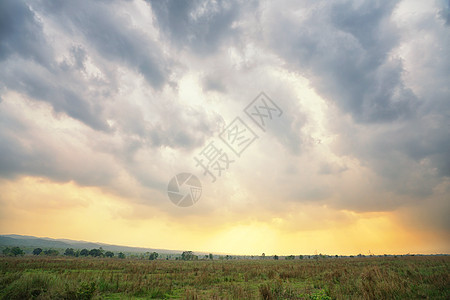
{"points": [[40, 207]]}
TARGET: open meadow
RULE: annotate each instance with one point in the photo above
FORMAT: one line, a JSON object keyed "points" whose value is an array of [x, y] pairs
{"points": [[403, 277]]}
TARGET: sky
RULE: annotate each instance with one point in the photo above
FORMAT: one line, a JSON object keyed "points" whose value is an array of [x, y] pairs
{"points": [[311, 126]]}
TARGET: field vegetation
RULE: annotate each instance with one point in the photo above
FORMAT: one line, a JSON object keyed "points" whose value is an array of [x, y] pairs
{"points": [[47, 277]]}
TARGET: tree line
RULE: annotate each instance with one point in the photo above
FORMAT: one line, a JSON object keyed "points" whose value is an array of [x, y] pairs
{"points": [[17, 251], [186, 255]]}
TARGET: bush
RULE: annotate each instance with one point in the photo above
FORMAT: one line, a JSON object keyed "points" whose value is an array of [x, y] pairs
{"points": [[153, 256], [276, 290], [37, 251], [51, 252], [69, 252], [86, 291], [28, 286], [14, 251]]}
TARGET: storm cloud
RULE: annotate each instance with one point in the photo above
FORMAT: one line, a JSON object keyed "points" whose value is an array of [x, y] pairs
{"points": [[121, 95]]}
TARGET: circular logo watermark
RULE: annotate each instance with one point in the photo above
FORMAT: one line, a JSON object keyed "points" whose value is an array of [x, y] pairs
{"points": [[184, 189]]}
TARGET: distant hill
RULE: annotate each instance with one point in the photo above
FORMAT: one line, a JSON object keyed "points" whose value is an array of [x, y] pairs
{"points": [[11, 240]]}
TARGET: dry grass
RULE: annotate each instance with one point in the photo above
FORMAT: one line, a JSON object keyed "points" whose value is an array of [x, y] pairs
{"points": [[100, 278]]}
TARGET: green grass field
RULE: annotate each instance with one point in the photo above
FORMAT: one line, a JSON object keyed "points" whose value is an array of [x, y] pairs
{"points": [[406, 277]]}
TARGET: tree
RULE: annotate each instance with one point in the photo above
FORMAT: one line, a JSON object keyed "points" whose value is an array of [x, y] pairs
{"points": [[14, 251], [263, 255], [290, 257], [187, 255], [300, 256], [51, 252], [121, 255], [69, 252], [84, 252], [109, 254], [210, 256], [17, 251], [275, 257], [37, 251], [96, 252], [153, 256], [6, 251]]}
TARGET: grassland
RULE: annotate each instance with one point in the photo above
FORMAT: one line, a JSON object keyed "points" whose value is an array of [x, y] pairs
{"points": [[411, 277]]}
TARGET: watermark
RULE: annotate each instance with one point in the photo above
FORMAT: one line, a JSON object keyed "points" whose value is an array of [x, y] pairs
{"points": [[213, 160], [184, 189], [238, 136], [262, 109]]}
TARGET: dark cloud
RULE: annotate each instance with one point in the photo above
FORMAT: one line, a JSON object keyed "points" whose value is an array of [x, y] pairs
{"points": [[287, 129], [75, 57], [201, 25], [344, 49], [55, 88], [347, 51], [26, 150], [29, 64], [445, 12], [101, 36], [29, 67], [111, 34], [21, 33]]}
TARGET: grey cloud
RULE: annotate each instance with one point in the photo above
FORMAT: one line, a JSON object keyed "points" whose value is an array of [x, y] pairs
{"points": [[200, 25], [28, 66], [25, 150], [21, 33], [170, 123], [189, 128], [211, 83], [97, 158], [346, 50], [79, 56], [52, 86], [343, 48], [25, 49], [445, 12], [112, 36], [288, 128], [410, 159], [331, 169]]}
